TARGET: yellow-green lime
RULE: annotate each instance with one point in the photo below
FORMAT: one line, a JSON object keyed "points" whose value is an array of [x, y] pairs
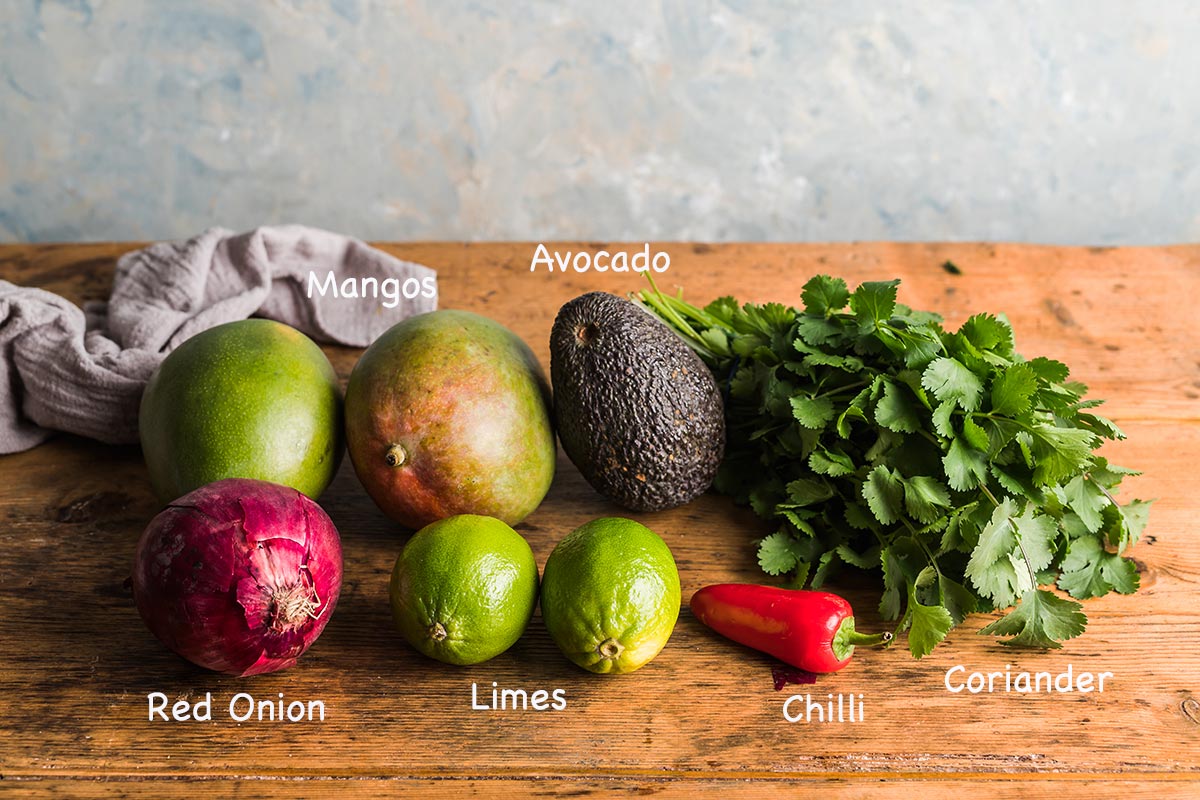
{"points": [[610, 595], [464, 588]]}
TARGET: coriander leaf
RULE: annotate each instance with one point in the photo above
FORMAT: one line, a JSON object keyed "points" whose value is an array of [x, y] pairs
{"points": [[1023, 440], [925, 578], [777, 554], [831, 462], [896, 411], [1121, 573], [924, 497], [806, 492], [893, 581], [957, 598], [843, 423], [1036, 534], [951, 381], [827, 562], [805, 349], [884, 494], [801, 576], [921, 345], [1012, 390], [1101, 426], [824, 295], [1135, 514], [1076, 388], [1059, 453], [764, 498], [1087, 501], [929, 625], [846, 363], [867, 560], [798, 520], [723, 308], [987, 332], [999, 432], [1091, 571], [1014, 481], [1109, 475], [936, 526], [716, 340], [765, 319], [991, 568], [1011, 546], [976, 436], [880, 333], [1041, 620], [1048, 369], [952, 538], [778, 395], [941, 420], [1063, 397], [1071, 525], [812, 412], [874, 301], [885, 442], [858, 518], [744, 383], [817, 331], [912, 379], [748, 345], [928, 319], [965, 467]]}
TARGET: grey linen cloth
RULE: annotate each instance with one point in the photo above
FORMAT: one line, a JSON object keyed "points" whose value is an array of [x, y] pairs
{"points": [[67, 370]]}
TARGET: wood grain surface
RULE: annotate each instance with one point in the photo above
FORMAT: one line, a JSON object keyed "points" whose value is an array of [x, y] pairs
{"points": [[76, 663]]}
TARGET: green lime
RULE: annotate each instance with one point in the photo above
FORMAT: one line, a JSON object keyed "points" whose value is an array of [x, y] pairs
{"points": [[249, 399], [464, 588], [610, 595]]}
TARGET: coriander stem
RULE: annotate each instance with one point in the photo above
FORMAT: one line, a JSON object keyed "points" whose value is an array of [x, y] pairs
{"points": [[932, 558], [1024, 555], [664, 307], [840, 389], [1104, 491]]}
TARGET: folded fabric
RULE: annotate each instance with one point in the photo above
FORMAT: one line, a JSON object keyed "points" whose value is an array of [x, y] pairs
{"points": [[62, 369]]}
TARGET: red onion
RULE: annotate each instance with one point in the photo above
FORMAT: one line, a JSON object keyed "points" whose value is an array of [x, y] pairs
{"points": [[239, 576]]}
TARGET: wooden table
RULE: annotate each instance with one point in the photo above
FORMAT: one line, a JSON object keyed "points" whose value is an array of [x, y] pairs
{"points": [[76, 663]]}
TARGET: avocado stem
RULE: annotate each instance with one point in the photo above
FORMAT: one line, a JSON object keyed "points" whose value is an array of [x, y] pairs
{"points": [[586, 334]]}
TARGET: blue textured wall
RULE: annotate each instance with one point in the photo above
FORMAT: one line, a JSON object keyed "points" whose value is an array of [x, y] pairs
{"points": [[1072, 121]]}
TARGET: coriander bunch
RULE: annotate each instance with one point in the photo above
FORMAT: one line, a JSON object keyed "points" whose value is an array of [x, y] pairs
{"points": [[961, 473]]}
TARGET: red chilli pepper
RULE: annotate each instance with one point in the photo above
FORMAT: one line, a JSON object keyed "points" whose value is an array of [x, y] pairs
{"points": [[812, 631]]}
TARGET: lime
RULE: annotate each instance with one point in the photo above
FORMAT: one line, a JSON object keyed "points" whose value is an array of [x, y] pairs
{"points": [[249, 399], [464, 588], [610, 595]]}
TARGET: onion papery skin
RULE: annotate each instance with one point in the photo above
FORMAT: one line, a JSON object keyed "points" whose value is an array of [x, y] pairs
{"points": [[239, 576]]}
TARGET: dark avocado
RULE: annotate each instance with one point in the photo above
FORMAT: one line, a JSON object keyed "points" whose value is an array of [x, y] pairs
{"points": [[637, 411]]}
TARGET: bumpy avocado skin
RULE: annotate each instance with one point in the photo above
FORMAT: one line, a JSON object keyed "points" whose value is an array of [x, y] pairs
{"points": [[638, 412]]}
